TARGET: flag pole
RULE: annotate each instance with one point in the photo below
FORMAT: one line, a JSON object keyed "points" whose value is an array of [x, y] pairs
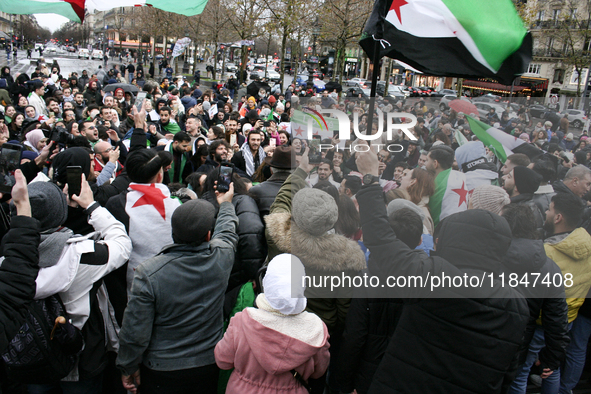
{"points": [[374, 82]]}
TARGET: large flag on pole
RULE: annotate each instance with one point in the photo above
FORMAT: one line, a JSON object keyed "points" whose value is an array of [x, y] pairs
{"points": [[501, 143], [463, 38], [75, 9]]}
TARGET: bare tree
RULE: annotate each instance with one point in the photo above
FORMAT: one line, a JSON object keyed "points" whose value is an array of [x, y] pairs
{"points": [[215, 20], [341, 25]]}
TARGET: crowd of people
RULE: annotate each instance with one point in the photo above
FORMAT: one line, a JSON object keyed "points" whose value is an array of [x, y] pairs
{"points": [[174, 265]]}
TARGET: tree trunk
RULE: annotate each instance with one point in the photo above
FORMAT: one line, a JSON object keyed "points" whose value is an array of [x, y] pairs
{"points": [[215, 60]]}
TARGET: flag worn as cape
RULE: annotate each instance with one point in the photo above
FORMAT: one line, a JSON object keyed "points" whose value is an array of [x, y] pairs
{"points": [[74, 9], [462, 38], [451, 195], [501, 143]]}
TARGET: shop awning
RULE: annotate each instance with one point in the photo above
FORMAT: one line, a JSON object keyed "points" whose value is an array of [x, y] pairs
{"points": [[492, 86], [4, 35]]}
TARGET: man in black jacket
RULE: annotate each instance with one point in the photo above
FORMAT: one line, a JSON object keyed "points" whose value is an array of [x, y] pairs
{"points": [[282, 164], [20, 265], [457, 339], [521, 183]]}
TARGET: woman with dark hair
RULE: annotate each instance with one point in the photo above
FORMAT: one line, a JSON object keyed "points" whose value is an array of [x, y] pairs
{"points": [[252, 246], [540, 135], [196, 181], [329, 188], [420, 185], [284, 137], [581, 157], [348, 222], [441, 136], [22, 103], [216, 133], [16, 126]]}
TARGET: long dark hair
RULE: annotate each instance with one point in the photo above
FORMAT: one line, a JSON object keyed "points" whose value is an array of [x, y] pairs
{"points": [[348, 221]]}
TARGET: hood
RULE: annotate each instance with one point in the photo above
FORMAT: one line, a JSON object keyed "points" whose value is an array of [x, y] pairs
{"points": [[525, 255], [473, 239], [276, 352], [560, 187], [576, 245], [328, 252]]}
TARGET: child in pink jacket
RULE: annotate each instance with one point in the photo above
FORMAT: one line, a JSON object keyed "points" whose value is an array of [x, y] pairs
{"points": [[264, 344]]}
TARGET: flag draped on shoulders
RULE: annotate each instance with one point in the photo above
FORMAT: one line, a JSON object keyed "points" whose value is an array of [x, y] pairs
{"points": [[501, 143], [150, 209], [451, 195], [463, 38]]}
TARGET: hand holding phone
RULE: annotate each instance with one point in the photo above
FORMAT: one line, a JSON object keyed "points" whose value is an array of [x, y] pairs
{"points": [[10, 156], [224, 179], [74, 180], [139, 100]]}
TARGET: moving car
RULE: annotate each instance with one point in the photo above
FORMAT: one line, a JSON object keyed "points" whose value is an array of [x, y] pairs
{"points": [[538, 110], [97, 54]]}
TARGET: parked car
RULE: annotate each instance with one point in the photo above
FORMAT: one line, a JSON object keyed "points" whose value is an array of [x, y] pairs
{"points": [[576, 118], [83, 53], [444, 102], [273, 75], [487, 98], [443, 92], [484, 109], [538, 110], [355, 82], [425, 91], [231, 67], [96, 54]]}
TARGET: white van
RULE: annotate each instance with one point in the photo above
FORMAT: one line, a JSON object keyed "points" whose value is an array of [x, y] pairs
{"points": [[83, 53]]}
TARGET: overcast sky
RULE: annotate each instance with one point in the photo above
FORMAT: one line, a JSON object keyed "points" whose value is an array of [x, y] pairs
{"points": [[51, 21]]}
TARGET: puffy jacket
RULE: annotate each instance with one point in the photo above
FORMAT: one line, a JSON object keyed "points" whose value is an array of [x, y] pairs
{"points": [[458, 345], [263, 347], [17, 275], [252, 247], [264, 193], [526, 256], [572, 253]]}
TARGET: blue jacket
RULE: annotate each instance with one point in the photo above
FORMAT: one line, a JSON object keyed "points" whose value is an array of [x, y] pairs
{"points": [[174, 316]]}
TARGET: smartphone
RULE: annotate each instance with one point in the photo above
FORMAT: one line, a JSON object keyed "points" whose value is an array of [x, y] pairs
{"points": [[10, 157], [272, 142], [314, 154], [232, 139], [266, 124], [74, 179], [225, 178], [139, 100]]}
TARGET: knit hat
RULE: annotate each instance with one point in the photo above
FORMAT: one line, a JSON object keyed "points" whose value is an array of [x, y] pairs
{"points": [[192, 221], [490, 198], [48, 205], [400, 203], [29, 155], [283, 285], [526, 180], [314, 211], [272, 100], [569, 137]]}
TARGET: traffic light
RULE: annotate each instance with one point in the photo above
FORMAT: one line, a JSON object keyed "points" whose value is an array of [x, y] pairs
{"points": [[222, 47]]}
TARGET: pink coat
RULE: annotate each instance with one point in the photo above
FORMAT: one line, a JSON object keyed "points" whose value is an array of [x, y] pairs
{"points": [[262, 358]]}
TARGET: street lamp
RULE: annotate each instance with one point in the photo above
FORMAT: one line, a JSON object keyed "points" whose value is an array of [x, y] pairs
{"points": [[315, 34]]}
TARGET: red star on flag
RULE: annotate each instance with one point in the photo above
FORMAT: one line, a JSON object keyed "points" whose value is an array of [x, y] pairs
{"points": [[396, 4], [152, 196], [283, 127], [299, 131], [463, 193]]}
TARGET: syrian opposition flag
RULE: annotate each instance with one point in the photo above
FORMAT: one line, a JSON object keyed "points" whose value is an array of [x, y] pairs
{"points": [[75, 9], [462, 38], [501, 143], [451, 195]]}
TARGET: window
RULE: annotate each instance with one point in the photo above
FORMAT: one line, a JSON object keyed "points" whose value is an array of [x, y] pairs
{"points": [[558, 76], [573, 13], [534, 68], [555, 15], [541, 15]]}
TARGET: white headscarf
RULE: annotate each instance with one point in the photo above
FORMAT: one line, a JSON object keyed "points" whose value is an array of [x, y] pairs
{"points": [[284, 280]]}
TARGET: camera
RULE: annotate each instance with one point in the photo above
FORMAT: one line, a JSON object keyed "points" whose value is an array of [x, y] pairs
{"points": [[60, 135]]}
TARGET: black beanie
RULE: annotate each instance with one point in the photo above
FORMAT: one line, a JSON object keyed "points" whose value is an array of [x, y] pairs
{"points": [[192, 221], [527, 181]]}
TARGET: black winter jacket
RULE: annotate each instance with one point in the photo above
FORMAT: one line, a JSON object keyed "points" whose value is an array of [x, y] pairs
{"points": [[252, 246], [455, 342], [369, 326], [264, 193], [527, 256], [17, 275]]}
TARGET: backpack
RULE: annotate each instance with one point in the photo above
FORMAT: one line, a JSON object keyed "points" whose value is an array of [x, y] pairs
{"points": [[35, 355]]}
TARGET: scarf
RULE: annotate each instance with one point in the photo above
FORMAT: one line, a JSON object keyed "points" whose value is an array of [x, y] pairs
{"points": [[183, 163], [52, 246], [249, 159]]}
